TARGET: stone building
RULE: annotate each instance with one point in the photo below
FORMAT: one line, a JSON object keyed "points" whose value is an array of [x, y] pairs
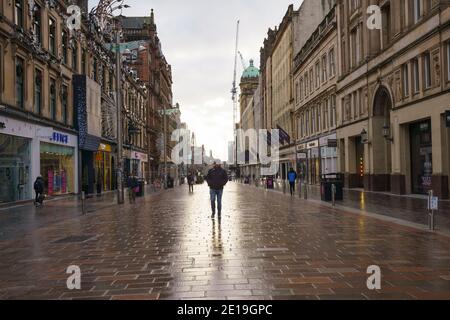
{"points": [[315, 79], [152, 68], [57, 97], [392, 96]]}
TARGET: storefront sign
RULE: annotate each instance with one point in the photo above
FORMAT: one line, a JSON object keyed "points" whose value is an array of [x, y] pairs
{"points": [[59, 137], [301, 156], [301, 147], [447, 118], [104, 147], [332, 143], [139, 156], [313, 144]]}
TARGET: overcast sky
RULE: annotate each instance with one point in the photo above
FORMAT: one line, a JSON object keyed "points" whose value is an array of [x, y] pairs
{"points": [[198, 39]]}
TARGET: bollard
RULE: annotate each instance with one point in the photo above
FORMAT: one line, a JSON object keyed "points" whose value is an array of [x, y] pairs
{"points": [[300, 189], [431, 225], [333, 194], [83, 202], [305, 193], [284, 186]]}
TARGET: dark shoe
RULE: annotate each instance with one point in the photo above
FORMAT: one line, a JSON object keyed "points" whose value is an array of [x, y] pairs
{"points": [[212, 216]]}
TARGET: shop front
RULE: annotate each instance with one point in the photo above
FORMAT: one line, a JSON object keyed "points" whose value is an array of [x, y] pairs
{"points": [[135, 163], [302, 162], [328, 154], [421, 157], [15, 168], [313, 155], [30, 150], [105, 163]]}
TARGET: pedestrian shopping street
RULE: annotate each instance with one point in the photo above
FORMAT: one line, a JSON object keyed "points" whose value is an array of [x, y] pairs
{"points": [[266, 245]]}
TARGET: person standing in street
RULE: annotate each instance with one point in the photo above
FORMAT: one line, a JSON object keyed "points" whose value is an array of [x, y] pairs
{"points": [[39, 191], [133, 187], [216, 178], [292, 178], [191, 182]]}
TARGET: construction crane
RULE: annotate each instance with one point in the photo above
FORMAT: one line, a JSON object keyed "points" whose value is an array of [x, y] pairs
{"points": [[234, 94], [244, 65]]}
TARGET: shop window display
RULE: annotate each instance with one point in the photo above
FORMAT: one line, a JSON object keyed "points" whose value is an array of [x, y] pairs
{"points": [[15, 166], [57, 169]]}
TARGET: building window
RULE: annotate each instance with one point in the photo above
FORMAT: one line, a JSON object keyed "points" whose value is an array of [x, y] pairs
{"points": [[53, 99], [64, 103], [405, 71], [38, 91], [301, 89], [311, 80], [319, 117], [386, 21], [427, 69], [306, 84], [324, 68], [417, 10], [415, 64], [64, 46], [332, 63], [18, 13], [37, 29], [317, 74], [333, 111], [74, 56], [95, 71], [20, 83], [52, 36], [448, 61], [353, 46], [83, 61]]}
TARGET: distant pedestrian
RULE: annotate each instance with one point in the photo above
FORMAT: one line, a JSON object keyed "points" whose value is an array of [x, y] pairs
{"points": [[133, 187], [191, 181], [292, 177], [216, 178], [39, 191]]}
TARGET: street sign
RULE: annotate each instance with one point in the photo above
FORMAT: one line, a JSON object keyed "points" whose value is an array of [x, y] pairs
{"points": [[433, 203], [169, 111]]}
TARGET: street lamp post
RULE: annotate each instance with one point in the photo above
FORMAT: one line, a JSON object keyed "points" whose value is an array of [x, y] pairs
{"points": [[120, 189]]}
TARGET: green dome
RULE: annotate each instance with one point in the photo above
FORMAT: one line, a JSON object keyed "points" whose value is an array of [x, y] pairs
{"points": [[250, 72]]}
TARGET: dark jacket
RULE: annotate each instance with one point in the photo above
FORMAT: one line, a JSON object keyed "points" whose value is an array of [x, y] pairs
{"points": [[39, 185], [132, 182], [217, 178], [292, 176]]}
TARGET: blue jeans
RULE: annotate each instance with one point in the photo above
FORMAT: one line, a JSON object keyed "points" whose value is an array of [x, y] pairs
{"points": [[213, 194]]}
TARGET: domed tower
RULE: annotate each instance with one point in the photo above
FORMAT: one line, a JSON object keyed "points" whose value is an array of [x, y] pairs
{"points": [[248, 85]]}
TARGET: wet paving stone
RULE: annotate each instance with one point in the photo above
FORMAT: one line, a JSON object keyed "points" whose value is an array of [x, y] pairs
{"points": [[265, 246]]}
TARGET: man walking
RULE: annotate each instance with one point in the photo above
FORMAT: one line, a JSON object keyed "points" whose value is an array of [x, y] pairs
{"points": [[190, 179], [292, 177], [39, 191], [216, 178]]}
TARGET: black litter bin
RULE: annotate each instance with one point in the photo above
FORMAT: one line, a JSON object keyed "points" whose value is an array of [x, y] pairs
{"points": [[141, 184], [269, 183], [326, 187]]}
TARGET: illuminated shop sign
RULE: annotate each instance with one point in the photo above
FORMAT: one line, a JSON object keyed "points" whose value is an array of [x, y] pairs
{"points": [[60, 138]]}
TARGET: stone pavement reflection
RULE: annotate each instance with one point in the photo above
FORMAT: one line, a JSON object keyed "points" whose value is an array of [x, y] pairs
{"points": [[266, 246], [408, 208]]}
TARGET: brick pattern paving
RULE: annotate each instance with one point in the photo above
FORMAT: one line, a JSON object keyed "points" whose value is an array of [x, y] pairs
{"points": [[266, 246], [408, 208]]}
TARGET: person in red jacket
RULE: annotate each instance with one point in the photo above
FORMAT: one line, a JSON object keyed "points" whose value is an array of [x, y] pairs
{"points": [[216, 178]]}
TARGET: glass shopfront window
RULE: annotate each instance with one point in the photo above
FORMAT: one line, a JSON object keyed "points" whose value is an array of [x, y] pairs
{"points": [[57, 168], [421, 157], [104, 170], [15, 168]]}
